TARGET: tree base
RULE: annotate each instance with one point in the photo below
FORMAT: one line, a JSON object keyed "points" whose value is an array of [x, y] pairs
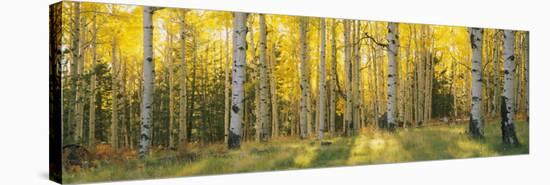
{"points": [[234, 141]]}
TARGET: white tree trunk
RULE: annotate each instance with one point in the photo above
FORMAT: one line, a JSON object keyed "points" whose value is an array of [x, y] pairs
{"points": [[148, 82], [171, 127], [304, 82], [496, 73], [393, 46], [227, 88], [332, 109], [264, 91], [73, 130], [322, 82], [348, 80], [238, 76], [356, 65], [91, 122], [476, 112], [507, 100], [114, 104], [79, 105], [273, 89], [183, 86]]}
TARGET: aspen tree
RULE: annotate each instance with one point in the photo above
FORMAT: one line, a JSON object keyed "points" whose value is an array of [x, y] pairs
{"points": [[183, 84], [476, 113], [333, 95], [507, 100], [304, 79], [238, 79], [348, 112], [264, 91], [322, 82], [393, 45], [148, 83]]}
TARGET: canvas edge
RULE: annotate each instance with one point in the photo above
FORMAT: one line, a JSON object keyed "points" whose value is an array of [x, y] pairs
{"points": [[55, 55]]}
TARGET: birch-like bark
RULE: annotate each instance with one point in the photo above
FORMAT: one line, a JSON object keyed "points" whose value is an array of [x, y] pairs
{"points": [[348, 80], [309, 99], [148, 82], [322, 82], [255, 77], [227, 88], [376, 83], [496, 73], [507, 100], [304, 79], [183, 85], [73, 130], [171, 127], [238, 77], [81, 84], [393, 45], [405, 109], [476, 112], [264, 91], [273, 89], [122, 90], [114, 104], [91, 117], [356, 63], [332, 109]]}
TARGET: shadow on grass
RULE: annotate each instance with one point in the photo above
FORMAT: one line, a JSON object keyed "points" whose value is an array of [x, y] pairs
{"points": [[378, 147], [334, 155]]}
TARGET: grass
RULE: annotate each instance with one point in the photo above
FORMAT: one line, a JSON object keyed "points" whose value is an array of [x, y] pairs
{"points": [[370, 147]]}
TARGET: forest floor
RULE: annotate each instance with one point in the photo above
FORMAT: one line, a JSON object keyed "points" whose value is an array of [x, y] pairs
{"points": [[370, 147]]}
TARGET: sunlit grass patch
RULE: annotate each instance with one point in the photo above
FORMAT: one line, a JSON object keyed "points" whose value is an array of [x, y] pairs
{"points": [[372, 147], [306, 154]]}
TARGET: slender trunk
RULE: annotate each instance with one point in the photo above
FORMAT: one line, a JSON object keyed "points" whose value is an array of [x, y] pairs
{"points": [[304, 85], [356, 63], [348, 80], [476, 121], [264, 91], [322, 82], [376, 93], [122, 93], [487, 46], [496, 73], [517, 78], [405, 109], [227, 89], [148, 82], [420, 78], [393, 45], [238, 76], [427, 72], [507, 100], [332, 109], [76, 57], [91, 122], [183, 86], [190, 117], [115, 95], [453, 89], [171, 104], [273, 89], [81, 84], [131, 118], [255, 76]]}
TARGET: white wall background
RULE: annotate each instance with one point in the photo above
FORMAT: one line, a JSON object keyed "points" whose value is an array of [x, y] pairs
{"points": [[24, 89]]}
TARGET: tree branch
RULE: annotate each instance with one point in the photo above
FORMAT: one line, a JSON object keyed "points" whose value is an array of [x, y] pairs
{"points": [[374, 40]]}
